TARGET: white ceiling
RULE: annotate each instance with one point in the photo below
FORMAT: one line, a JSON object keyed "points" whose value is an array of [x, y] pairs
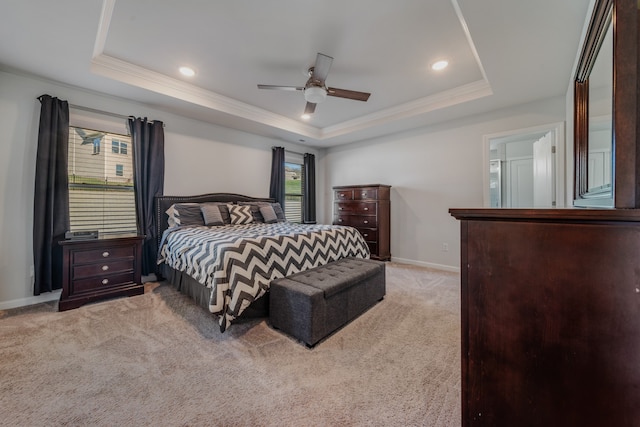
{"points": [[501, 53]]}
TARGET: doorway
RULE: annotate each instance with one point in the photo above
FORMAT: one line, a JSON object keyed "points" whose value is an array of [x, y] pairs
{"points": [[524, 168]]}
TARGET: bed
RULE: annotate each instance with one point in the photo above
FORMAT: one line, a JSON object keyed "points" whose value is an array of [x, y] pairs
{"points": [[226, 263]]}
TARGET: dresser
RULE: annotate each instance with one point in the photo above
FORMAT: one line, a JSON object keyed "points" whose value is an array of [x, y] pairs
{"points": [[367, 208], [100, 268], [550, 302]]}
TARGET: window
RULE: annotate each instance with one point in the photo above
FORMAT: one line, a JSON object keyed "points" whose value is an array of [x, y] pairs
{"points": [[293, 191], [118, 147], [100, 186]]}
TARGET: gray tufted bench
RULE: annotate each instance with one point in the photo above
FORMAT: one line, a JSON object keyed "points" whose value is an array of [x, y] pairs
{"points": [[312, 304]]}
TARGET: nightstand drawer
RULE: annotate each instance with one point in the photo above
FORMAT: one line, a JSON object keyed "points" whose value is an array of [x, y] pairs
{"points": [[106, 282], [360, 208], [365, 193], [370, 235], [356, 220], [82, 257], [364, 221], [344, 195], [103, 268]]}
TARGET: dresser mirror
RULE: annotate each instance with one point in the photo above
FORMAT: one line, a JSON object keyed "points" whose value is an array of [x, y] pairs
{"points": [[593, 106]]}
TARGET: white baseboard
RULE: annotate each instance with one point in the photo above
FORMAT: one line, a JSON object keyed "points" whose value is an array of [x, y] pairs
{"points": [[426, 264], [23, 302]]}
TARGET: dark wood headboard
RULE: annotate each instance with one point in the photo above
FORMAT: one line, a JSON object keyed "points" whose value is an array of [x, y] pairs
{"points": [[162, 203]]}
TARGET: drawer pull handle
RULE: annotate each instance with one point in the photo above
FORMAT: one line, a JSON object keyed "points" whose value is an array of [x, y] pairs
{"points": [[105, 267], [105, 254], [340, 220], [366, 222], [105, 281], [366, 209], [340, 208], [365, 235], [364, 194]]}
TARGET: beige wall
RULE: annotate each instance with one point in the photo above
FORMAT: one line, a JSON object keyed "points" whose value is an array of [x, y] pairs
{"points": [[200, 158], [431, 170]]}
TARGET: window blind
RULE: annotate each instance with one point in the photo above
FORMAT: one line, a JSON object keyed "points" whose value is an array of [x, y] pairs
{"points": [[101, 193], [293, 192]]}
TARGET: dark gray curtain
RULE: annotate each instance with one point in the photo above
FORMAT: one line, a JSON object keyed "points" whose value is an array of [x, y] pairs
{"points": [[276, 188], [51, 197], [148, 182], [309, 191]]}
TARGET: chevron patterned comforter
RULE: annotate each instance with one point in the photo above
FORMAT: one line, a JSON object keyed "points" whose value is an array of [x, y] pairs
{"points": [[238, 262]]}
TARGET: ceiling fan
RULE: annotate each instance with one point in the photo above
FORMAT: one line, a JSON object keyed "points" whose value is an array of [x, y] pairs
{"points": [[315, 90]]}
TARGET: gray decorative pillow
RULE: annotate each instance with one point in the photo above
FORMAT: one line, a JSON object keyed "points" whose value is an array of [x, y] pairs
{"points": [[240, 214], [211, 214], [186, 214], [224, 211], [279, 212], [257, 215], [268, 214]]}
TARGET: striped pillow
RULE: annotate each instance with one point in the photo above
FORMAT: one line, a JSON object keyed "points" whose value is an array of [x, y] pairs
{"points": [[240, 214], [211, 214]]}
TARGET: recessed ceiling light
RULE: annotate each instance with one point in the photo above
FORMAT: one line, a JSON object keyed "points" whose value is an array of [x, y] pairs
{"points": [[440, 65], [186, 71], [305, 116]]}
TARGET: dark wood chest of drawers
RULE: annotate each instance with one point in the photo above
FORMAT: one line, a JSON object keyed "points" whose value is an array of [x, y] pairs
{"points": [[367, 208], [97, 269]]}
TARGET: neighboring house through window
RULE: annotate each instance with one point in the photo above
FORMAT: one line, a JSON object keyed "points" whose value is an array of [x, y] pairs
{"points": [[101, 193]]}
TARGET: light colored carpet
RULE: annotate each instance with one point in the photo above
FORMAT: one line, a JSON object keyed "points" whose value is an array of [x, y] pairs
{"points": [[158, 359]]}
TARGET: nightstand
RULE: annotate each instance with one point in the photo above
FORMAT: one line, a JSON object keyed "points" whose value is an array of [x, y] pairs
{"points": [[98, 269]]}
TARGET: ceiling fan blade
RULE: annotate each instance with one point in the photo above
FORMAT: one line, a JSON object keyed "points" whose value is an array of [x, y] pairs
{"points": [[276, 87], [310, 108], [349, 94], [322, 67]]}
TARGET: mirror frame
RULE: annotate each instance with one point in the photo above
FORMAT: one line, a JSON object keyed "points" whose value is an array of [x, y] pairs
{"points": [[624, 16]]}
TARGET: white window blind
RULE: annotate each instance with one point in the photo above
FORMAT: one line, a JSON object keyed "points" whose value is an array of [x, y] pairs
{"points": [[293, 191], [101, 182]]}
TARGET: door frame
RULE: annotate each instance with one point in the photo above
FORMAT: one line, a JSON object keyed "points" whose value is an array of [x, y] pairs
{"points": [[558, 134]]}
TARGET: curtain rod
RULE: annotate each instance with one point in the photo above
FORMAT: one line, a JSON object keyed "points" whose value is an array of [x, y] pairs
{"points": [[292, 152], [93, 110], [105, 113]]}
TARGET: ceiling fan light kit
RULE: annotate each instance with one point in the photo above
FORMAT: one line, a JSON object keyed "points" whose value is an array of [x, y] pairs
{"points": [[315, 94], [315, 90]]}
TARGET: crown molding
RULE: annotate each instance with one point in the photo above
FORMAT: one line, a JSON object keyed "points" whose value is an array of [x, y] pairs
{"points": [[126, 72], [134, 75], [458, 95]]}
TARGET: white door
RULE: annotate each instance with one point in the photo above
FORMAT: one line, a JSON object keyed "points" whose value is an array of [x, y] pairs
{"points": [[544, 182], [520, 183]]}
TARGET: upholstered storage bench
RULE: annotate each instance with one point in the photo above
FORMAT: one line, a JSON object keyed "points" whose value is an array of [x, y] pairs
{"points": [[312, 304]]}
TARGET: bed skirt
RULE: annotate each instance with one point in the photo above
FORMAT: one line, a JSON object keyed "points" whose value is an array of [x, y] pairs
{"points": [[190, 287]]}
